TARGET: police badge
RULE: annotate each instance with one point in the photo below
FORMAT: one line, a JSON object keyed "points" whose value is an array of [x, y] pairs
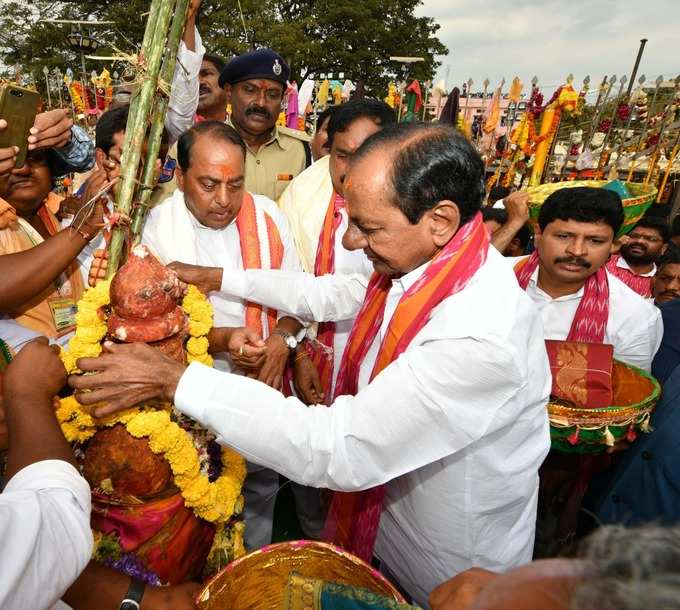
{"points": [[276, 68]]}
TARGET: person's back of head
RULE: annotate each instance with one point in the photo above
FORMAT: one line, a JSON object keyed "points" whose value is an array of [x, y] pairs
{"points": [[110, 123], [431, 163], [631, 569], [497, 193], [497, 215], [375, 110]]}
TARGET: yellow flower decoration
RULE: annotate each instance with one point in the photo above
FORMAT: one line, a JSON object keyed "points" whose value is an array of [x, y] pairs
{"points": [[215, 502]]}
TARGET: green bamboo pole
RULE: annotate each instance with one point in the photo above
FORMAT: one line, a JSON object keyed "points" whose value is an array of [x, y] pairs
{"points": [[135, 131], [158, 118]]}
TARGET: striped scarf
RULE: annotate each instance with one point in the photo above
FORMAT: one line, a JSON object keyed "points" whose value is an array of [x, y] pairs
{"points": [[354, 517], [590, 321], [251, 236], [324, 264]]}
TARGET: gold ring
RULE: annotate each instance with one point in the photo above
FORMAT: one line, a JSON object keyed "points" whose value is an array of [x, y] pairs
{"points": [[240, 351]]}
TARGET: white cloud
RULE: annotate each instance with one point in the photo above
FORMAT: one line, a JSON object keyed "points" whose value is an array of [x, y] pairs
{"points": [[552, 38]]}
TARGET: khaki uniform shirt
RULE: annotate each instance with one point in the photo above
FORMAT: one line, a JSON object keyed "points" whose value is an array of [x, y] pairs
{"points": [[270, 170]]}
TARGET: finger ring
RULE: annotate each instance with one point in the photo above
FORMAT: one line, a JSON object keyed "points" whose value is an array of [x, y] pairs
{"points": [[240, 351]]}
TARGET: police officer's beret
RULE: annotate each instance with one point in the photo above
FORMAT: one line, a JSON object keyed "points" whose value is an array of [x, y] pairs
{"points": [[262, 63]]}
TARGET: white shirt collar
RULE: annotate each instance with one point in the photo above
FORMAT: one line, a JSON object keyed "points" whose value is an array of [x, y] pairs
{"points": [[533, 284], [407, 280], [623, 264]]}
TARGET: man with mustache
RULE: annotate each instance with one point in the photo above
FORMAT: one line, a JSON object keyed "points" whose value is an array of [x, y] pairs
{"points": [[212, 99], [635, 265], [566, 277], [666, 282], [255, 84]]}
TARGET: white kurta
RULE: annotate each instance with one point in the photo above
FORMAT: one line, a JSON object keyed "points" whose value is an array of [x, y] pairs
{"points": [[456, 427], [214, 248], [305, 203], [634, 327], [45, 534]]}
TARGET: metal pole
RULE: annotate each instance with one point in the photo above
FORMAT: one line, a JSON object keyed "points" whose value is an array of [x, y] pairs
{"points": [[643, 42]]}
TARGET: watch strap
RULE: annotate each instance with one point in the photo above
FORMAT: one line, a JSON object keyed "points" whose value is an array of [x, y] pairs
{"points": [[133, 597]]}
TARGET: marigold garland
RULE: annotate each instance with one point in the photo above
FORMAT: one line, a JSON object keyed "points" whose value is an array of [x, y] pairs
{"points": [[215, 502]]}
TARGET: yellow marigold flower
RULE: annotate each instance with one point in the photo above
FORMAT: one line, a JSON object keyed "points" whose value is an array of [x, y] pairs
{"points": [[198, 329], [197, 346], [206, 359], [68, 360], [91, 333], [81, 349]]}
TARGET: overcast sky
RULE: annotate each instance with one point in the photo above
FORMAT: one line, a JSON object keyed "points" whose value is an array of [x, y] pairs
{"points": [[550, 39]]}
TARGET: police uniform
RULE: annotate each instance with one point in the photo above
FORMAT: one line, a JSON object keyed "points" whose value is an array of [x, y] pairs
{"points": [[270, 169]]}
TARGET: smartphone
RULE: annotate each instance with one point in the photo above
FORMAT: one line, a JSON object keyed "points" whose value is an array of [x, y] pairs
{"points": [[18, 106]]}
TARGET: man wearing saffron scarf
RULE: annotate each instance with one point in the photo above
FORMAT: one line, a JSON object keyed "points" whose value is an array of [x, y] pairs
{"points": [[578, 298], [211, 220], [315, 208], [438, 426]]}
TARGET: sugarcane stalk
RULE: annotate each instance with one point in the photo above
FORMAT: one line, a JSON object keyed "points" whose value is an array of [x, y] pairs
{"points": [[158, 119], [135, 131]]}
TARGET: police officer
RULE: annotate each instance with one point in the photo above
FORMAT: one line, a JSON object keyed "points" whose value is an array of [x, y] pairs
{"points": [[255, 84]]}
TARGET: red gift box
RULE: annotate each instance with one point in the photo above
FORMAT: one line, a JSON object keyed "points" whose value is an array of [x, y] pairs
{"points": [[582, 373]]}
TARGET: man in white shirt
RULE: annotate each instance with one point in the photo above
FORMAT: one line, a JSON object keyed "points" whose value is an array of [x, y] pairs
{"points": [[45, 507], [574, 238], [317, 216], [211, 221], [454, 425]]}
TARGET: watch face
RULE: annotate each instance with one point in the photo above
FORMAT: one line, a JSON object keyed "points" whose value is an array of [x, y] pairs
{"points": [[291, 342], [129, 605]]}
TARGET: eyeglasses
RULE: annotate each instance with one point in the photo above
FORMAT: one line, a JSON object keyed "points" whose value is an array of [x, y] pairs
{"points": [[648, 238]]}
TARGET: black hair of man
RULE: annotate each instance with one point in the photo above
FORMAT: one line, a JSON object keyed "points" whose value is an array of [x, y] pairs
{"points": [[497, 193], [657, 223], [214, 129], [364, 108], [325, 114], [675, 226], [671, 256], [582, 204], [430, 163], [109, 124], [498, 215], [216, 61]]}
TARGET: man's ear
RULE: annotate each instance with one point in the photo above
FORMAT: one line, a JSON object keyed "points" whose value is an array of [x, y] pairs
{"points": [[228, 90], [99, 157], [444, 222], [179, 177]]}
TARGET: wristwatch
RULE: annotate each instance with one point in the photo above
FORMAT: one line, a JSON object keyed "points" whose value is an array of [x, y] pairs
{"points": [[288, 339], [133, 597]]}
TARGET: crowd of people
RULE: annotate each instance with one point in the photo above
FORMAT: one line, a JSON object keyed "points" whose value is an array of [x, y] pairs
{"points": [[380, 328]]}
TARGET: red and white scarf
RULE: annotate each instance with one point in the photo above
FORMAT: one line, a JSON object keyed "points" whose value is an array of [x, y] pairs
{"points": [[354, 517], [590, 321]]}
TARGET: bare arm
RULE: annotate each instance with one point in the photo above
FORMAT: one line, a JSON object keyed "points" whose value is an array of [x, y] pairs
{"points": [[516, 205]]}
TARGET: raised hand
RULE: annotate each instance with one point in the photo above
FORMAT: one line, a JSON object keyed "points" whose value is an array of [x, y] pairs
{"points": [[51, 129]]}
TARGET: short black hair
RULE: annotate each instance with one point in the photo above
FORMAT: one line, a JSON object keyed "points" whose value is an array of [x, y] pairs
{"points": [[670, 257], [325, 114], [660, 225], [675, 226], [215, 129], [431, 163], [498, 192], [109, 124], [498, 215], [379, 112], [583, 204], [216, 61]]}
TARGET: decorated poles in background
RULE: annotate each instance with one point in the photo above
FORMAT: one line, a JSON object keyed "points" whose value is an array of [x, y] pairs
{"points": [[467, 99], [669, 167], [645, 129], [158, 119], [600, 107], [667, 116], [604, 154], [481, 114], [151, 55], [624, 134]]}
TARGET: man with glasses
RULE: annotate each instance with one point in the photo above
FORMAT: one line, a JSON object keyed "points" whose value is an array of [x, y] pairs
{"points": [[635, 266]]}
